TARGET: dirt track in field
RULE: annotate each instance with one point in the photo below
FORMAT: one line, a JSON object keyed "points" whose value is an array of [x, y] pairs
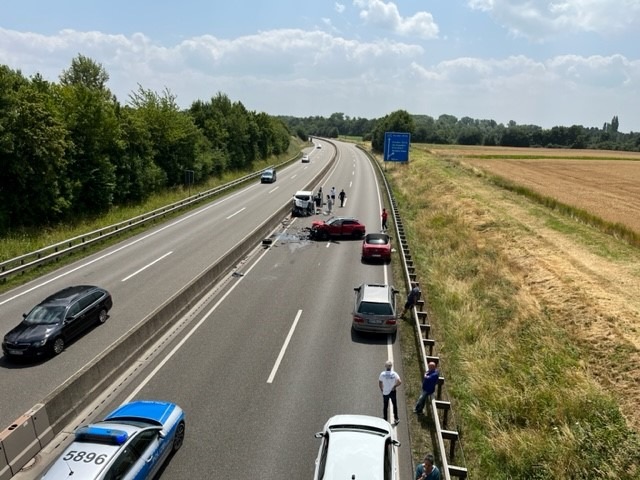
{"points": [[595, 298]]}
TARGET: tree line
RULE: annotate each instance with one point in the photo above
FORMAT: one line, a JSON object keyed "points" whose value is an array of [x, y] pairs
{"points": [[72, 150], [448, 129]]}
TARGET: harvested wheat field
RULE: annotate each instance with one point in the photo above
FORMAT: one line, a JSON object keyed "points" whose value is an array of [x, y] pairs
{"points": [[592, 291], [609, 189]]}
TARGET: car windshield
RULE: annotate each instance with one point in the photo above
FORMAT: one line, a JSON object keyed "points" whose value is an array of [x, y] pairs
{"points": [[375, 308], [305, 198], [45, 315]]}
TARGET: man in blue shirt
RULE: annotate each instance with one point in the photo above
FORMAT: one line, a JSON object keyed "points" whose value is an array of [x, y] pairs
{"points": [[429, 382], [427, 470]]}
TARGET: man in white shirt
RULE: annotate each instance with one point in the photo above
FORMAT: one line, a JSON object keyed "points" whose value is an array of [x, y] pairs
{"points": [[388, 381]]}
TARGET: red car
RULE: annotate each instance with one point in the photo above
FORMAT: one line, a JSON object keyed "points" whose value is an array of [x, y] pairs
{"points": [[337, 227], [376, 246]]}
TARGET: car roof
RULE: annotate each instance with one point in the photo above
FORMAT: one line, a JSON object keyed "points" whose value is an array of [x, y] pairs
{"points": [[375, 292], [304, 192], [333, 219], [356, 447], [143, 410], [69, 294]]}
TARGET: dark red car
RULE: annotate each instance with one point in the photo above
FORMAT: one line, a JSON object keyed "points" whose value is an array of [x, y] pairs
{"points": [[337, 227], [376, 246]]}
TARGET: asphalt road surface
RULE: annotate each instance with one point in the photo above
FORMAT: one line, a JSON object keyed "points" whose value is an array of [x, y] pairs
{"points": [[272, 356]]}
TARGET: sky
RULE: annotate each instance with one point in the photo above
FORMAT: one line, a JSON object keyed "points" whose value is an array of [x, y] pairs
{"points": [[535, 62]]}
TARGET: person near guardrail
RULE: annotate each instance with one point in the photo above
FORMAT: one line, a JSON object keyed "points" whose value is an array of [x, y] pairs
{"points": [[384, 217], [389, 381], [342, 196], [429, 383], [427, 470], [412, 298]]}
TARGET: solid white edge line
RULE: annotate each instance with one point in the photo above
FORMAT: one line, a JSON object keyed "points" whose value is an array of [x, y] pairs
{"points": [[274, 370], [146, 266]]}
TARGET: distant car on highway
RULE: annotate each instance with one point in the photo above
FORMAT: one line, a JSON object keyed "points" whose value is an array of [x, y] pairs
{"points": [[356, 446], [268, 176], [318, 146], [59, 318], [305, 159], [374, 309], [376, 246], [337, 227], [131, 443]]}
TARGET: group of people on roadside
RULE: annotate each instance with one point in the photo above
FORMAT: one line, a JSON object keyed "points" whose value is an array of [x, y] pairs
{"points": [[388, 382]]}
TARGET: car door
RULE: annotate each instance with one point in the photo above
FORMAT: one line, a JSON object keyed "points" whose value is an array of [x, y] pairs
{"points": [[91, 306], [140, 459], [347, 228], [73, 320], [335, 229]]}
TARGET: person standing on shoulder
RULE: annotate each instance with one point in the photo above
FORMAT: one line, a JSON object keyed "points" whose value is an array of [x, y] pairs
{"points": [[384, 219], [412, 298], [329, 203], [429, 382], [427, 470], [342, 196], [333, 194], [389, 381]]}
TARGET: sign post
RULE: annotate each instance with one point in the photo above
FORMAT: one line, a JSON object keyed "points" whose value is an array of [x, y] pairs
{"points": [[396, 146]]}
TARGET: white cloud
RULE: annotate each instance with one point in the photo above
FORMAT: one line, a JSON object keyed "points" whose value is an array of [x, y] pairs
{"points": [[339, 7], [541, 19], [303, 73], [387, 16]]}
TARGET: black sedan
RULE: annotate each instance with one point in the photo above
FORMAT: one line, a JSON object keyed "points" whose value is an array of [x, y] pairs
{"points": [[59, 318]]}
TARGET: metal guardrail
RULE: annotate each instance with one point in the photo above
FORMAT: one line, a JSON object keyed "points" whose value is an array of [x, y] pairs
{"points": [[53, 252], [423, 328]]}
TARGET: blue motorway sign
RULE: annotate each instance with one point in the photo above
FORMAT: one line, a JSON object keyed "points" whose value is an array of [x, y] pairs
{"points": [[396, 146]]}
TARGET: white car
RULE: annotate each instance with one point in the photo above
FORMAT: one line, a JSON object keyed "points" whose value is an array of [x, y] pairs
{"points": [[305, 159], [356, 446]]}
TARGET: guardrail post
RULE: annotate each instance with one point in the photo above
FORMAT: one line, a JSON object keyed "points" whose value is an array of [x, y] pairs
{"points": [[445, 407], [452, 436]]}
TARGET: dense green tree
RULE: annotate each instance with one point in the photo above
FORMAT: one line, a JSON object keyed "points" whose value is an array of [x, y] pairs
{"points": [[32, 154], [398, 121], [89, 113], [176, 139]]}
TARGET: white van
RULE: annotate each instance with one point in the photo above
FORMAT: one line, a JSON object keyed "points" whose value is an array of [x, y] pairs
{"points": [[303, 203]]}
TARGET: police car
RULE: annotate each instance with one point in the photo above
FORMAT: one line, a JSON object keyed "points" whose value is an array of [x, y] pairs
{"points": [[132, 442]]}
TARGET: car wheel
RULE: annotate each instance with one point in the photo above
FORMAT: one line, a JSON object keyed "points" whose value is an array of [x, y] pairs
{"points": [[58, 346], [179, 437], [102, 316]]}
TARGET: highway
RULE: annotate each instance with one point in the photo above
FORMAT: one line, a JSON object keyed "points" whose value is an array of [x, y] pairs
{"points": [[269, 358], [141, 273]]}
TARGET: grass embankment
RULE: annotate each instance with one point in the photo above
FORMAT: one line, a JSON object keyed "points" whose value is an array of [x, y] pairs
{"points": [[525, 403], [28, 240]]}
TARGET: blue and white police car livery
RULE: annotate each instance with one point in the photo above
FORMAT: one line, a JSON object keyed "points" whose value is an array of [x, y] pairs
{"points": [[131, 443]]}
